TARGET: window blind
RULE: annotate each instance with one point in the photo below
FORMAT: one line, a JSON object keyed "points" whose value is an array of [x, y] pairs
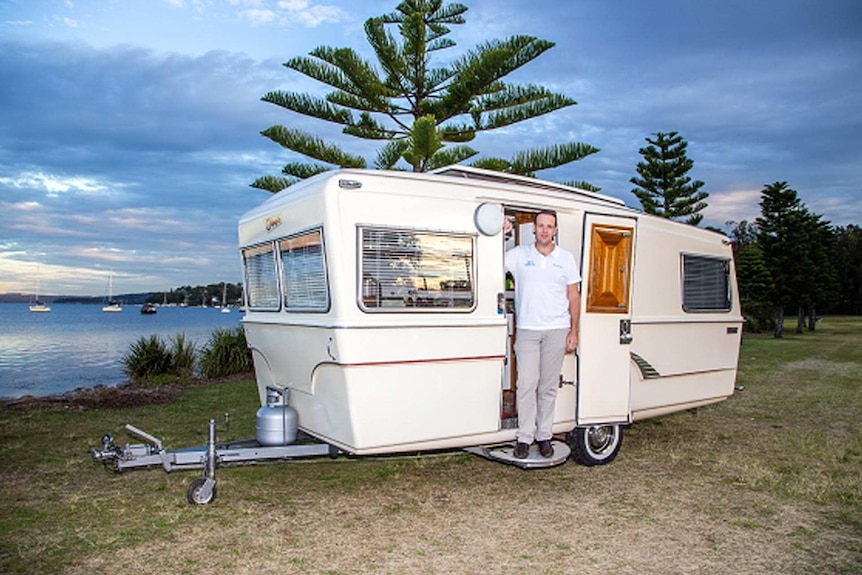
{"points": [[260, 277], [706, 284], [304, 272]]}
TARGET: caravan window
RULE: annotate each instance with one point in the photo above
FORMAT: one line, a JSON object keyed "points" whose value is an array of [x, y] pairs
{"points": [[260, 277], [303, 272], [409, 269], [706, 283]]}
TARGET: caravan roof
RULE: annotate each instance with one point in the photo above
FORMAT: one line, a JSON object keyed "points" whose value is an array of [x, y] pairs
{"points": [[479, 174], [476, 176]]}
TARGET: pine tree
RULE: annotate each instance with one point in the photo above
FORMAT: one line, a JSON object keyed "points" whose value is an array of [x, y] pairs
{"points": [[755, 287], [743, 234], [664, 189], [753, 279], [423, 115], [820, 279], [797, 247], [848, 263], [779, 238]]}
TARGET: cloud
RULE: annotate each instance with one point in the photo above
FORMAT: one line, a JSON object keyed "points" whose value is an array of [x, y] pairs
{"points": [[839, 207], [198, 5], [257, 17], [19, 271], [20, 206], [55, 184], [735, 205], [314, 16], [286, 13]]}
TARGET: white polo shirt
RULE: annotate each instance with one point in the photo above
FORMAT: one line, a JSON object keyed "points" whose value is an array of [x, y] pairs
{"points": [[541, 286]]}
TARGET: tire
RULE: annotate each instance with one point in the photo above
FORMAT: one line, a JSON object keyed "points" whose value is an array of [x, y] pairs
{"points": [[195, 495], [596, 445]]}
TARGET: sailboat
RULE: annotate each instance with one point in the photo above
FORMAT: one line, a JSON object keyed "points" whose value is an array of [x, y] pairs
{"points": [[37, 305], [224, 308], [111, 305]]}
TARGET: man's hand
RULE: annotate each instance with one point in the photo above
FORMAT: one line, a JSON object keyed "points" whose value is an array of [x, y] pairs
{"points": [[508, 226], [571, 341]]}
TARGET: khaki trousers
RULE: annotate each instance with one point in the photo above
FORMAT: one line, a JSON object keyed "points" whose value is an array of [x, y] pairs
{"points": [[540, 356]]}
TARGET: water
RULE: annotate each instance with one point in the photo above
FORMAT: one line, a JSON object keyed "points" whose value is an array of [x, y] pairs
{"points": [[82, 346]]}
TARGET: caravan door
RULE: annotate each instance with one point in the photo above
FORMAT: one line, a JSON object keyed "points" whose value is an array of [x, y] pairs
{"points": [[605, 326]]}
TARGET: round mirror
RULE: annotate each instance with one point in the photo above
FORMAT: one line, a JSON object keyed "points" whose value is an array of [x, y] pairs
{"points": [[489, 219]]}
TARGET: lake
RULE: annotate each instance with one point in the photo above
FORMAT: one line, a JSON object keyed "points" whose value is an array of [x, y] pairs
{"points": [[82, 346]]}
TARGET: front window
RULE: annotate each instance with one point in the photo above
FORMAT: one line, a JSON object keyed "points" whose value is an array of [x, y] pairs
{"points": [[260, 277], [304, 272], [706, 283], [408, 269]]}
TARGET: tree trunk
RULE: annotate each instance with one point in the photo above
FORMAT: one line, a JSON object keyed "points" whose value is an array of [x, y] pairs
{"points": [[800, 319], [812, 319], [779, 325]]}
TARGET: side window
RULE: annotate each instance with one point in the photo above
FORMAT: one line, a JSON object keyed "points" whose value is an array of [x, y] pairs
{"points": [[706, 283], [411, 270], [261, 279], [304, 272]]}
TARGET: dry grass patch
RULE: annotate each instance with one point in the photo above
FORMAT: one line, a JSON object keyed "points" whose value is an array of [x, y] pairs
{"points": [[472, 516]]}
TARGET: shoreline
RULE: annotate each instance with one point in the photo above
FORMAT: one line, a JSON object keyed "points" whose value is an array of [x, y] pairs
{"points": [[123, 396]]}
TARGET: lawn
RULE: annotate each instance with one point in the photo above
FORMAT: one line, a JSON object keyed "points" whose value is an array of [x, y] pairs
{"points": [[769, 481]]}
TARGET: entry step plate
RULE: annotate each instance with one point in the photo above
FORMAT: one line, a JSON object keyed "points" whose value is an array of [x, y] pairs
{"points": [[503, 454]]}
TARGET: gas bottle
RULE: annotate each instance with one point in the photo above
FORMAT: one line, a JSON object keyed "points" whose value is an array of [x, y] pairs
{"points": [[276, 421]]}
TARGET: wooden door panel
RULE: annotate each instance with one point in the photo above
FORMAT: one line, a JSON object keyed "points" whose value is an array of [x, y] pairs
{"points": [[610, 269]]}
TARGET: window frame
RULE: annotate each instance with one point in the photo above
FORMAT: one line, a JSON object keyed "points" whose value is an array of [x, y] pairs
{"points": [[284, 304], [728, 295], [245, 270], [360, 271]]}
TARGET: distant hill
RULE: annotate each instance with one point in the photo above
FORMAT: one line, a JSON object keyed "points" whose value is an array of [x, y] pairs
{"points": [[209, 295], [127, 299], [14, 298]]}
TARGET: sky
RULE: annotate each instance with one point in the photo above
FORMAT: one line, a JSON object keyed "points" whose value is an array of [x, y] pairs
{"points": [[130, 129]]}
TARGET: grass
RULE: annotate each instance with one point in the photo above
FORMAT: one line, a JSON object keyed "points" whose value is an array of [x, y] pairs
{"points": [[769, 481]]}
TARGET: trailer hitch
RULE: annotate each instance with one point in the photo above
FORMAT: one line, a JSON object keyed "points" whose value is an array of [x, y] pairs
{"points": [[116, 456], [109, 451], [207, 457], [200, 492]]}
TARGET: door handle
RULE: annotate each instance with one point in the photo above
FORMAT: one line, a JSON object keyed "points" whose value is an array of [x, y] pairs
{"points": [[625, 331]]}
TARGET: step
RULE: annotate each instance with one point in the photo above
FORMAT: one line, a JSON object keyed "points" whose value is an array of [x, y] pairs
{"points": [[504, 454]]}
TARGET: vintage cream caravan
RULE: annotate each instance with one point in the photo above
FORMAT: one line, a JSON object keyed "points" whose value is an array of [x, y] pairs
{"points": [[377, 307]]}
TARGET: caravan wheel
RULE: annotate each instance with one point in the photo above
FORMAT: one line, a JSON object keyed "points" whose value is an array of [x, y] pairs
{"points": [[595, 445]]}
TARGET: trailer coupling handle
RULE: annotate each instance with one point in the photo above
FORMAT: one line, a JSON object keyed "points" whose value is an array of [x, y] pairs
{"points": [[140, 433]]}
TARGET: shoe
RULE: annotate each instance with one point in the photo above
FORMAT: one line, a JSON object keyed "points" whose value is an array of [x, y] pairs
{"points": [[522, 450], [545, 448]]}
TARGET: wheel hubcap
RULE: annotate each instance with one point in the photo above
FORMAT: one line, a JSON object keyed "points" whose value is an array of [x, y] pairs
{"points": [[600, 438]]}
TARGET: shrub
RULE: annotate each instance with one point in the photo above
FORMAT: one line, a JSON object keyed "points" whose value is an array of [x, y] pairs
{"points": [[150, 360], [226, 353], [147, 357], [183, 355]]}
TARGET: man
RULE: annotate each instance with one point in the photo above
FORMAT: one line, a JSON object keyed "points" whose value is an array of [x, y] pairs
{"points": [[547, 304]]}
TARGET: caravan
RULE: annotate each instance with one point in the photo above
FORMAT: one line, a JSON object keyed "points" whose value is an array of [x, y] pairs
{"points": [[381, 321], [379, 311]]}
